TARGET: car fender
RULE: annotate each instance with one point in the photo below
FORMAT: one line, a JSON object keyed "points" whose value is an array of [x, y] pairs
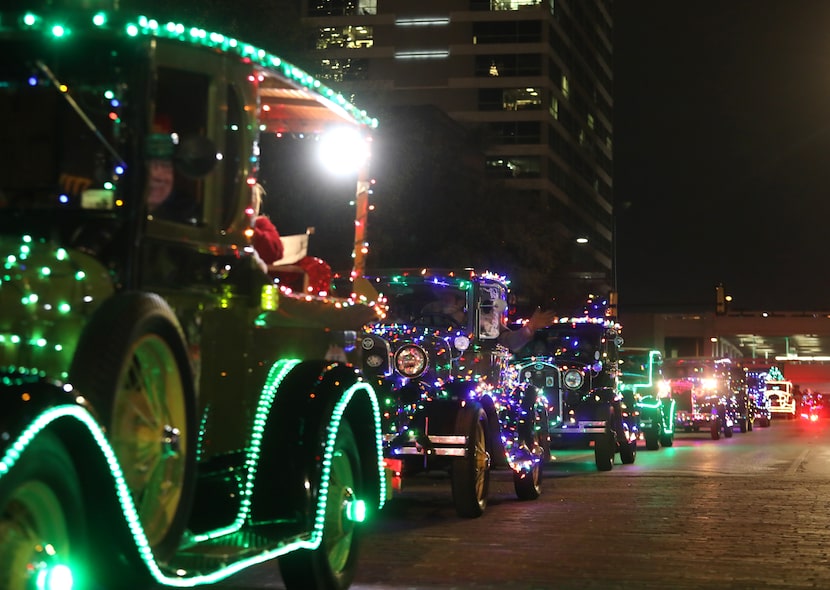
{"points": [[309, 401], [37, 407]]}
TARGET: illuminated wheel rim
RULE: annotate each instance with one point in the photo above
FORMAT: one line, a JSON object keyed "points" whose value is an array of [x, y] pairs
{"points": [[481, 462], [149, 433], [34, 539], [339, 529]]}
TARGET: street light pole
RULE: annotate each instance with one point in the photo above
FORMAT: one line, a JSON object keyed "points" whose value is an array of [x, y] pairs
{"points": [[360, 221]]}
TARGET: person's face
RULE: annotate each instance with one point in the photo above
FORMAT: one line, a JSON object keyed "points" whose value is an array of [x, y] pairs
{"points": [[160, 183]]}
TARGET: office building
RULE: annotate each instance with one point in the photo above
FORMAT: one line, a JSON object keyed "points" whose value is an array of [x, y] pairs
{"points": [[532, 76]]}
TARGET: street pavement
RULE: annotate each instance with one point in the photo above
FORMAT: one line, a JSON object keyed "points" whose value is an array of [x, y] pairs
{"points": [[667, 522]]}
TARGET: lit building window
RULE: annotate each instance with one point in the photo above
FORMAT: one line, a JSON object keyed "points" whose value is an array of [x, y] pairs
{"points": [[518, 99], [513, 4], [357, 37]]}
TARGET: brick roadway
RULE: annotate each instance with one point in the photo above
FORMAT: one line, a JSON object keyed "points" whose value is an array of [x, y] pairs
{"points": [[627, 529]]}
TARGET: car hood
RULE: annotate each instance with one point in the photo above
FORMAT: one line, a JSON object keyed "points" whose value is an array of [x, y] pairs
{"points": [[47, 294]]}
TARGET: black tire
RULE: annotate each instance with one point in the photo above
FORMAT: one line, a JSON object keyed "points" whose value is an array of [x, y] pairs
{"points": [[628, 445], [333, 564], [40, 503], [470, 475], [604, 452], [652, 439], [131, 364], [667, 439], [714, 428], [727, 431], [743, 424], [528, 485]]}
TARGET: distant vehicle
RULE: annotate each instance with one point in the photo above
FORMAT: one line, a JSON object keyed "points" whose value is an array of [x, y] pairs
{"points": [[779, 398], [576, 362], [704, 394], [814, 406], [641, 374], [449, 403], [169, 416]]}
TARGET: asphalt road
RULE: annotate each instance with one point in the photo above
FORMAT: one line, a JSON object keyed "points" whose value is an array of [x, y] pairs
{"points": [[751, 511]]}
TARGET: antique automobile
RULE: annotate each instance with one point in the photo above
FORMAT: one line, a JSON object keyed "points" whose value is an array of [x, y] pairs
{"points": [[170, 416], [641, 374], [702, 388], [575, 362], [439, 366], [779, 398]]}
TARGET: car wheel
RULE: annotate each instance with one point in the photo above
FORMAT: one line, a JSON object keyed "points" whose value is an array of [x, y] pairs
{"points": [[528, 484], [628, 445], [652, 439], [727, 431], [667, 439], [41, 507], [604, 452], [714, 428], [132, 365], [332, 565], [470, 475], [742, 424]]}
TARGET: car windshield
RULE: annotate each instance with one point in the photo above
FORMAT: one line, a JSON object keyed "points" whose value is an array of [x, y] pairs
{"points": [[635, 367], [579, 342], [432, 304], [61, 125]]}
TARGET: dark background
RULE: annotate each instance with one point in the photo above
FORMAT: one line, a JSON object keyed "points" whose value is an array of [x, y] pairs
{"points": [[722, 153]]}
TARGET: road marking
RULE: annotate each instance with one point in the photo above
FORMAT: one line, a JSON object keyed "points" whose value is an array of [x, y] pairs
{"points": [[797, 463]]}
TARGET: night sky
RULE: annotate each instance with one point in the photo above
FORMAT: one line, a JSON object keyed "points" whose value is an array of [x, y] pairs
{"points": [[722, 152]]}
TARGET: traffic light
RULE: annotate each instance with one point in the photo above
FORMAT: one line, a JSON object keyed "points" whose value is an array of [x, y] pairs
{"points": [[720, 300]]}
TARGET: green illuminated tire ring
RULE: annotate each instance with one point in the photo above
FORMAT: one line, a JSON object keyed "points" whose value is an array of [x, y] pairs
{"points": [[40, 503], [132, 365], [332, 566], [470, 475]]}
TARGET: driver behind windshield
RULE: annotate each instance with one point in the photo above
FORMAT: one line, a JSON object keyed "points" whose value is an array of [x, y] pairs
{"points": [[450, 304]]}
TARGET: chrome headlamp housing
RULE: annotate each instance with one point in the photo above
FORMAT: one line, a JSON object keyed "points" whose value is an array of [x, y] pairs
{"points": [[411, 361], [573, 379]]}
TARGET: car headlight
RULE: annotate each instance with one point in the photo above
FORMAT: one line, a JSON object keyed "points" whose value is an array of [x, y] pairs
{"points": [[573, 379], [374, 360], [411, 361], [461, 343]]}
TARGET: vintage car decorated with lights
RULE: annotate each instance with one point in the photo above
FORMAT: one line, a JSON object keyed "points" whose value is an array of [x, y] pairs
{"points": [[575, 362], [169, 415], [439, 366], [778, 395], [702, 388], [641, 375]]}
